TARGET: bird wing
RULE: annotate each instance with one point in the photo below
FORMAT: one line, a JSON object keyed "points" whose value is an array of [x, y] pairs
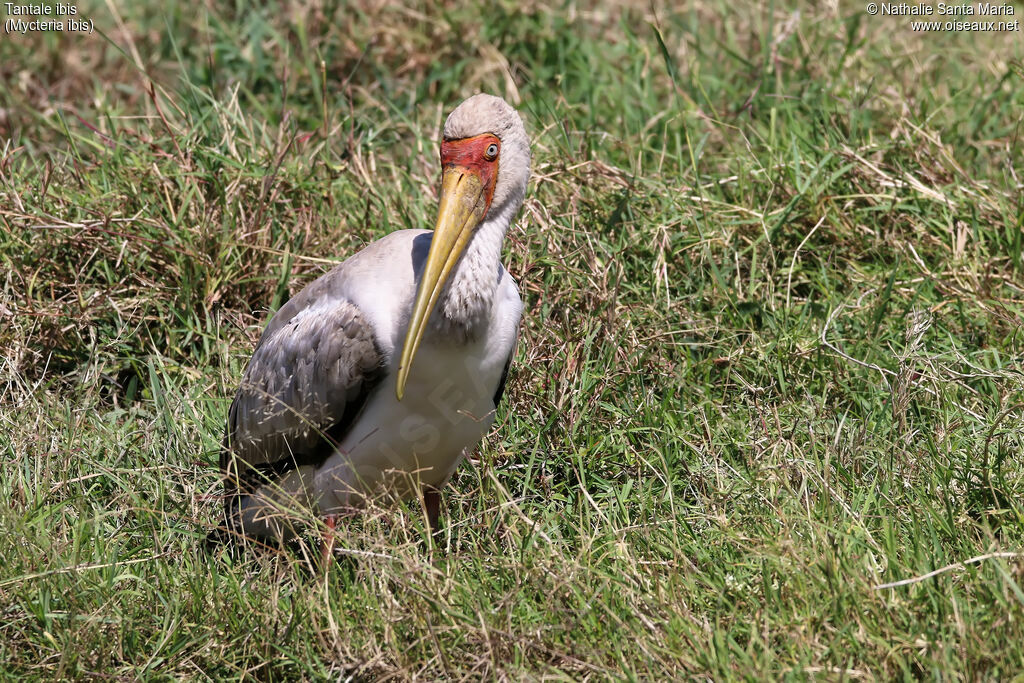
{"points": [[309, 377], [500, 391]]}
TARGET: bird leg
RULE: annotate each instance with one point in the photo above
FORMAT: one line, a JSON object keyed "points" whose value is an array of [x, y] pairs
{"points": [[432, 506], [327, 549]]}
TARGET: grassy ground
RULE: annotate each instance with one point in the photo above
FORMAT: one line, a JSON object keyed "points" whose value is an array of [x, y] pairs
{"points": [[773, 268]]}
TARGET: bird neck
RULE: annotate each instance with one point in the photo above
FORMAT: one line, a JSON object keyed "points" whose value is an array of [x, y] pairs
{"points": [[465, 303]]}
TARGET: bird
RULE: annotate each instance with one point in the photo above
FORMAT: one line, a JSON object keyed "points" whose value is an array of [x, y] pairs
{"points": [[379, 376]]}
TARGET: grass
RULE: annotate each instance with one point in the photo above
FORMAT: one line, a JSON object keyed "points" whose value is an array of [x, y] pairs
{"points": [[773, 272]]}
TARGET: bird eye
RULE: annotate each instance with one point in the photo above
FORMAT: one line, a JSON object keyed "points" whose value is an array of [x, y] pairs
{"points": [[491, 152]]}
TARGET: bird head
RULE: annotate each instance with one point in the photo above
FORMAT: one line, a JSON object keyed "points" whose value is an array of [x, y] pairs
{"points": [[485, 165]]}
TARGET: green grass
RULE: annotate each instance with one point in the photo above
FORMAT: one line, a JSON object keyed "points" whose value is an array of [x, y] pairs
{"points": [[771, 355]]}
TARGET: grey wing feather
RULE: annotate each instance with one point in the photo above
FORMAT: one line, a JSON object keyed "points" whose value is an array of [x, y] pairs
{"points": [[308, 378]]}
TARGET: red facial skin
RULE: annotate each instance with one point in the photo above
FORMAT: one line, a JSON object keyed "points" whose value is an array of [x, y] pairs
{"points": [[468, 155]]}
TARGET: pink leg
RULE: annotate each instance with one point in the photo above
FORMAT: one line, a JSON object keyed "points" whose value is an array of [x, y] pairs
{"points": [[327, 549]]}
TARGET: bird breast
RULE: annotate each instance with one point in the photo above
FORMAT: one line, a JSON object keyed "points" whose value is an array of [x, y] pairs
{"points": [[399, 445], [449, 398]]}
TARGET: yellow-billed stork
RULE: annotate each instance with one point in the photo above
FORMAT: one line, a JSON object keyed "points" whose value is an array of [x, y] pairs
{"points": [[378, 376]]}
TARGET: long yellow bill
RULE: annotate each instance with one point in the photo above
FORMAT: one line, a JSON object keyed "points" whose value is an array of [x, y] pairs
{"points": [[463, 204]]}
